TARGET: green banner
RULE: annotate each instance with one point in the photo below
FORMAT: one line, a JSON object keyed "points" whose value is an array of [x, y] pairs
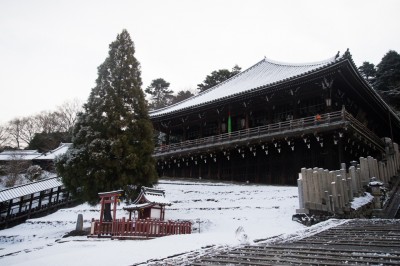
{"points": [[229, 123]]}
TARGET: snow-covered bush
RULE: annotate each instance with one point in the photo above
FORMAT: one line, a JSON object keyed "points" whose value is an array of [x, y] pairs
{"points": [[34, 172]]}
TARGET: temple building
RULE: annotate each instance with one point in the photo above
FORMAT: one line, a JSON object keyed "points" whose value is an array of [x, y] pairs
{"points": [[266, 123]]}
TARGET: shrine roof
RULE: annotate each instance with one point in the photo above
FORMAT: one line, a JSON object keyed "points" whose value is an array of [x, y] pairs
{"points": [[265, 73], [152, 195]]}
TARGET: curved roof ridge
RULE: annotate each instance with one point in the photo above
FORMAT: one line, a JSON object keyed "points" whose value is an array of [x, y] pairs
{"points": [[263, 73], [208, 90], [323, 62]]}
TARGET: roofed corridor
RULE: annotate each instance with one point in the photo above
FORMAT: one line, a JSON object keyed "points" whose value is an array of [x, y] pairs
{"points": [[287, 129]]}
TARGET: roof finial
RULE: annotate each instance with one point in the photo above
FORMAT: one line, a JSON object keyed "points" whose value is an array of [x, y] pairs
{"points": [[337, 55], [347, 54]]}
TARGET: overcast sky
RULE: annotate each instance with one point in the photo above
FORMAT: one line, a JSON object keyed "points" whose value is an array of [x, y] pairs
{"points": [[50, 50]]}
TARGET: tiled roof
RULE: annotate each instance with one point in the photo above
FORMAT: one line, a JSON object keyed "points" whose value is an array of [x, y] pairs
{"points": [[152, 195], [264, 73], [19, 155], [27, 189], [51, 155]]}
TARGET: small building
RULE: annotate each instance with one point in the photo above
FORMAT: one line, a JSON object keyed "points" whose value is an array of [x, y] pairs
{"points": [[33, 157], [149, 222], [46, 160], [150, 204]]}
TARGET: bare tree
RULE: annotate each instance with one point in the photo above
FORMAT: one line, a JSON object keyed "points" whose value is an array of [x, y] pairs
{"points": [[4, 137], [48, 121], [15, 166], [67, 114], [30, 127], [14, 130]]}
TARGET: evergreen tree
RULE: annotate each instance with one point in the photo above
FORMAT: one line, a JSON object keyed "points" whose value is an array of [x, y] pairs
{"points": [[44, 142], [113, 136], [388, 72], [217, 77], [160, 94], [182, 95], [368, 71]]}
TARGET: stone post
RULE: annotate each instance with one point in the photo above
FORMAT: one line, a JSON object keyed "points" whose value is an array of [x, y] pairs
{"points": [[300, 189], [376, 192], [335, 200], [354, 187], [79, 223]]}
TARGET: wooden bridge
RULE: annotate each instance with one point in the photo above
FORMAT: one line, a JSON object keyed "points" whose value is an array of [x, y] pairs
{"points": [[32, 200]]}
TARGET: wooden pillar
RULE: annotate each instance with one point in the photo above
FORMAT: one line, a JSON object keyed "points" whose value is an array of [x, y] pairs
{"points": [[30, 204], [40, 199], [9, 208], [58, 194], [50, 195], [21, 202], [341, 156]]}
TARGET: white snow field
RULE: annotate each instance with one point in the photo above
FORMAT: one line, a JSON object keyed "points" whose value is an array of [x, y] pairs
{"points": [[217, 210]]}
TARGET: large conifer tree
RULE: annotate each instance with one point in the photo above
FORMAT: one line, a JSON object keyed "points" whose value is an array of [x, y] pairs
{"points": [[388, 72], [113, 137]]}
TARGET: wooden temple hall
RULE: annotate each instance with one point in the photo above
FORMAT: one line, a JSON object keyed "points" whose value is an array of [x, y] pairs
{"points": [[266, 123]]}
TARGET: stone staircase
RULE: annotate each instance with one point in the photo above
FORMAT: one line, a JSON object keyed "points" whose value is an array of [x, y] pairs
{"points": [[356, 242]]}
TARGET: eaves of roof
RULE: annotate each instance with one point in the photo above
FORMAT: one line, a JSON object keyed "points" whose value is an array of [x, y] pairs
{"points": [[254, 79]]}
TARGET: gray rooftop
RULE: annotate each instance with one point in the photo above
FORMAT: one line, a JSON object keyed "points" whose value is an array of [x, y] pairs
{"points": [[31, 188], [264, 73]]}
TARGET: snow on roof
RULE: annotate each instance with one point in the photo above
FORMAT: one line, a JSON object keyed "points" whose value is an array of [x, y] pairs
{"points": [[27, 189], [264, 73], [51, 155], [152, 195], [19, 155], [137, 206]]}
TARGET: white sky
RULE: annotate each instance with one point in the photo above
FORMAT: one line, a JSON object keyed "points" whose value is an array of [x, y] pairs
{"points": [[50, 50]]}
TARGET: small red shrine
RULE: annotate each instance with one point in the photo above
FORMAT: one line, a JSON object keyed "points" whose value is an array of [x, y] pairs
{"points": [[149, 221], [150, 204]]}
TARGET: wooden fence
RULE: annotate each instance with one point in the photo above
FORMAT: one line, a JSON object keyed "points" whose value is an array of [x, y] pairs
{"points": [[321, 190], [122, 228]]}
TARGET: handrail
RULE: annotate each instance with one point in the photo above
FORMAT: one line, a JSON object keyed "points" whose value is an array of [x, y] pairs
{"points": [[276, 128], [361, 127]]}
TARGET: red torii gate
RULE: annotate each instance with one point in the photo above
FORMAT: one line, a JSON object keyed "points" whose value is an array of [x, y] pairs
{"points": [[112, 198]]}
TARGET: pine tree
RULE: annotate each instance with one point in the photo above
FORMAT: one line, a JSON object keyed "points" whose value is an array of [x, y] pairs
{"points": [[368, 71], [160, 94], [388, 72], [113, 136], [182, 95], [217, 77]]}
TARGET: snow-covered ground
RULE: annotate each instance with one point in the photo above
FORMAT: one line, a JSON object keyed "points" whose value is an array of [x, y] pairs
{"points": [[217, 210]]}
